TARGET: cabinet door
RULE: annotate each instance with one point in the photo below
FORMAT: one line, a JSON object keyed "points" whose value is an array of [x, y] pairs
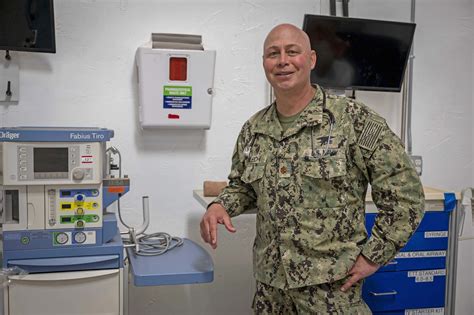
{"points": [[82, 292]]}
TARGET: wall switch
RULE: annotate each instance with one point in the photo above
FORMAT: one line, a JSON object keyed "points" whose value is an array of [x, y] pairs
{"points": [[417, 161], [9, 79]]}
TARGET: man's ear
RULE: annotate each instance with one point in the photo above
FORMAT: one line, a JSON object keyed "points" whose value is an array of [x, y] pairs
{"points": [[314, 58]]}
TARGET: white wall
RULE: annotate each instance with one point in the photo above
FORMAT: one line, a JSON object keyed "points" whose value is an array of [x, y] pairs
{"points": [[90, 81], [472, 89], [443, 85]]}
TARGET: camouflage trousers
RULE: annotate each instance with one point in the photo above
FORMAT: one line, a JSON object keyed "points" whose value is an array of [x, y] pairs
{"points": [[326, 298]]}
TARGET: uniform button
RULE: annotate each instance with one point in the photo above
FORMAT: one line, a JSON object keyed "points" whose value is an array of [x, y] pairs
{"points": [[283, 170]]}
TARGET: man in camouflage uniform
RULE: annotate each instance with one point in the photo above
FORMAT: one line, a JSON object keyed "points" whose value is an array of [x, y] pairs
{"points": [[304, 163]]}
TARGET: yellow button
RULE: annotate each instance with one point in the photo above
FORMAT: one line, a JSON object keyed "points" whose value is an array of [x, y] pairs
{"points": [[80, 211]]}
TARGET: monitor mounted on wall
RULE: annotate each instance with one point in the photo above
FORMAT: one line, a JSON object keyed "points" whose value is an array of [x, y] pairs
{"points": [[27, 25], [359, 54]]}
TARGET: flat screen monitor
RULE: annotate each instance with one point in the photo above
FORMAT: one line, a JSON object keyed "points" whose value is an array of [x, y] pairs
{"points": [[359, 54], [27, 25]]}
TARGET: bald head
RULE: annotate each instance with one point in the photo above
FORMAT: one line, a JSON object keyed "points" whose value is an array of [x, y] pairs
{"points": [[288, 60], [289, 31]]}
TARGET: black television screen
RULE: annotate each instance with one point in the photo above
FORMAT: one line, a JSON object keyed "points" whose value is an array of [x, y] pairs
{"points": [[27, 25], [359, 54]]}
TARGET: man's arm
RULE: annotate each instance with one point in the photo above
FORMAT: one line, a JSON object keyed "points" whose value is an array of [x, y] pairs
{"points": [[234, 199], [398, 194], [396, 191]]}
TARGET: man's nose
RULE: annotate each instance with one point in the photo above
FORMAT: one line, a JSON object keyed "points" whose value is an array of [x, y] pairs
{"points": [[283, 59]]}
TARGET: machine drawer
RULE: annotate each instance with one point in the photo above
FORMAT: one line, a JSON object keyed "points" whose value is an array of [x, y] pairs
{"points": [[59, 293], [392, 291], [66, 263]]}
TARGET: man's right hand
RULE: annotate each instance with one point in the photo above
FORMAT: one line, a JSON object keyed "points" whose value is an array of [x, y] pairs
{"points": [[214, 214]]}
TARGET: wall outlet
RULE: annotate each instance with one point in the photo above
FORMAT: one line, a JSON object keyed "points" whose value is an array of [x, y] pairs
{"points": [[417, 161], [9, 79]]}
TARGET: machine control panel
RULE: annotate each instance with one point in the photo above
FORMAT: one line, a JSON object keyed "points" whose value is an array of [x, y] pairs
{"points": [[74, 238], [46, 163], [32, 163], [77, 207]]}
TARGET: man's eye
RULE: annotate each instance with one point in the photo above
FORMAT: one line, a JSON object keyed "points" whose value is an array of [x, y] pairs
{"points": [[292, 52], [272, 54]]}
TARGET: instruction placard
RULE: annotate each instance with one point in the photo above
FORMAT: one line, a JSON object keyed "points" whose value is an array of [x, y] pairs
{"points": [[177, 97]]}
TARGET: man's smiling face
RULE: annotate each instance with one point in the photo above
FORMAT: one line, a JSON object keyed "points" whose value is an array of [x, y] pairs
{"points": [[288, 58]]}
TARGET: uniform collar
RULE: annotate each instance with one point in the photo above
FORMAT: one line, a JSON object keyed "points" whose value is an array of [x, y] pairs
{"points": [[312, 115]]}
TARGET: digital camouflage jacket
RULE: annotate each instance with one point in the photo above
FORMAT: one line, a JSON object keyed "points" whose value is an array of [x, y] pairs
{"points": [[309, 191]]}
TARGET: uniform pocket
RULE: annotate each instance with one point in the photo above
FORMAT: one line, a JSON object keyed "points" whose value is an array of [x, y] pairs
{"points": [[253, 172], [325, 168], [253, 175], [322, 182]]}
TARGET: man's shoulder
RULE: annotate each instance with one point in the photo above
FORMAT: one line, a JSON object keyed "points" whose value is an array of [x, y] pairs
{"points": [[367, 125], [353, 111], [257, 117]]}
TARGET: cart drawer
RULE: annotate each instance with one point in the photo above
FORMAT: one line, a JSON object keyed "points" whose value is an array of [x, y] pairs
{"points": [[391, 291]]}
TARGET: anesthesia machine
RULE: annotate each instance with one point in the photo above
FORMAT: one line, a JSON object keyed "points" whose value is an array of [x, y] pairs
{"points": [[58, 239]]}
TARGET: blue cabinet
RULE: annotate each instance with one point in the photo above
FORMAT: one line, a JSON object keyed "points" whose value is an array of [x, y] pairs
{"points": [[416, 278]]}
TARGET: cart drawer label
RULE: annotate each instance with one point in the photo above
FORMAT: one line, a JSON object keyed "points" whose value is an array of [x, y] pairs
{"points": [[426, 275], [425, 254], [436, 234], [425, 311]]}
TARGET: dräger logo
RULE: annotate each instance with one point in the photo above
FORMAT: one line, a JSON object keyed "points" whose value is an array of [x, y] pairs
{"points": [[9, 135]]}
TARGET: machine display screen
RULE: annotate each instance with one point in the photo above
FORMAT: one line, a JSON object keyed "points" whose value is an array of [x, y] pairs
{"points": [[51, 160]]}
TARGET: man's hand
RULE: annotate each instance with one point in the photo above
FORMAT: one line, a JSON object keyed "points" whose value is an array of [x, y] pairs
{"points": [[214, 214], [362, 269]]}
